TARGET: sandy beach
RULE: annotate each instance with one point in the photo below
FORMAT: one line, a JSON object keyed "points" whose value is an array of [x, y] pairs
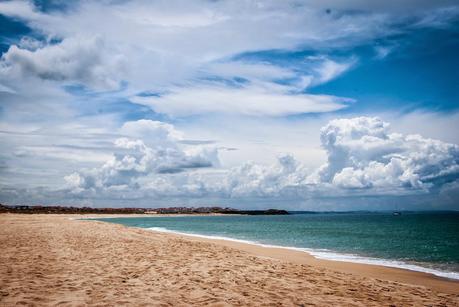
{"points": [[48, 260]]}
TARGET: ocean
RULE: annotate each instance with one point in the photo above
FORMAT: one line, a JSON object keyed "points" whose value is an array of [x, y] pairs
{"points": [[426, 242]]}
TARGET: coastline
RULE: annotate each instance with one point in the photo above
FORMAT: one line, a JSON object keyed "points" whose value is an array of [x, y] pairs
{"points": [[328, 255], [100, 260], [324, 255], [376, 271]]}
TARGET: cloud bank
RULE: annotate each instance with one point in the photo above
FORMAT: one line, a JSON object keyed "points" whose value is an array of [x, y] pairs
{"points": [[363, 158]]}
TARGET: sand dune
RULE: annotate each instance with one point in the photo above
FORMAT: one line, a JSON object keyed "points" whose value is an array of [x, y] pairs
{"points": [[52, 260]]}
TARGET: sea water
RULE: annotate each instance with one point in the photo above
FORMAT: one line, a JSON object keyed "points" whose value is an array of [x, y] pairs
{"points": [[427, 242]]}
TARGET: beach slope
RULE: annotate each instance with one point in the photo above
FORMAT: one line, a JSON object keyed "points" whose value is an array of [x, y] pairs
{"points": [[53, 259]]}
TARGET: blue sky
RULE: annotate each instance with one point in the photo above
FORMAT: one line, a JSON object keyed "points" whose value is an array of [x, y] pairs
{"points": [[321, 105]]}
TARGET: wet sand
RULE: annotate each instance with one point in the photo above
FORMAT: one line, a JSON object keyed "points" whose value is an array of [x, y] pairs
{"points": [[54, 260]]}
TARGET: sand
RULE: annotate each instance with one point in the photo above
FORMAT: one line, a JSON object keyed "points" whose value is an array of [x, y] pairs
{"points": [[54, 260]]}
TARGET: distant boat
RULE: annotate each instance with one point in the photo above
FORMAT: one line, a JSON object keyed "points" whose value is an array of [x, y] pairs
{"points": [[396, 213]]}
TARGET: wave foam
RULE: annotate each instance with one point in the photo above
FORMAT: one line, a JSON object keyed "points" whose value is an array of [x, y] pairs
{"points": [[326, 254]]}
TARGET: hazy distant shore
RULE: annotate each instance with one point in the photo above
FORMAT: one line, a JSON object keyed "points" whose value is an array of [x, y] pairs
{"points": [[39, 209], [51, 259]]}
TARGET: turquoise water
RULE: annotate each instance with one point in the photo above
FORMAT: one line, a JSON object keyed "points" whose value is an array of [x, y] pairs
{"points": [[419, 241]]}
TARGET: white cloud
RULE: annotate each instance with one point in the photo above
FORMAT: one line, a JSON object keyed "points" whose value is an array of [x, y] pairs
{"points": [[251, 89], [247, 70], [441, 125], [362, 153], [329, 70], [150, 131], [250, 100], [364, 159], [74, 60], [138, 159], [254, 180], [218, 29], [18, 9], [175, 48]]}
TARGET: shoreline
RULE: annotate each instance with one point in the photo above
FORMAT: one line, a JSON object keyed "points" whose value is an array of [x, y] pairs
{"points": [[323, 255], [438, 283], [57, 259], [301, 256], [317, 254]]}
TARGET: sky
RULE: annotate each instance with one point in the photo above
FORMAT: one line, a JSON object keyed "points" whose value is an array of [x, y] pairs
{"points": [[303, 105]]}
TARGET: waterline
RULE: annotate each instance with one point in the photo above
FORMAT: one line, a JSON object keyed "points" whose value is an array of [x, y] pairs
{"points": [[324, 254]]}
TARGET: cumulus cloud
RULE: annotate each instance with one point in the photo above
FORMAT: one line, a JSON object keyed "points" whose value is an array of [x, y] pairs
{"points": [[255, 180], [150, 131], [74, 60], [362, 153], [136, 159], [364, 158]]}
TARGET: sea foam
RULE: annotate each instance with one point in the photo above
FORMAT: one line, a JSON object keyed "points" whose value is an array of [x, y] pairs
{"points": [[326, 254]]}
